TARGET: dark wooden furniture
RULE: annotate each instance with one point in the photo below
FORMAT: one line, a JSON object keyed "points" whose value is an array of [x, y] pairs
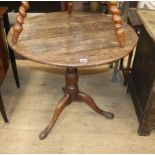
{"points": [[6, 26], [133, 4], [142, 79], [36, 7], [71, 41], [4, 63], [134, 21], [5, 53]]}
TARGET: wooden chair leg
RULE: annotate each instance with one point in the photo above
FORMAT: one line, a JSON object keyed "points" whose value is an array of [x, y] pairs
{"points": [[11, 52], [14, 67], [115, 71], [121, 64], [2, 109], [111, 65], [128, 68]]}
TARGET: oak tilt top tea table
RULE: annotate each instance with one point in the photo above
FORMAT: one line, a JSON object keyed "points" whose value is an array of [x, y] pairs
{"points": [[71, 41]]}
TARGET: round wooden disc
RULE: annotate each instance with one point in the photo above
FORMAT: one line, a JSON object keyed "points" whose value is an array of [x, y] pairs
{"points": [[80, 39]]}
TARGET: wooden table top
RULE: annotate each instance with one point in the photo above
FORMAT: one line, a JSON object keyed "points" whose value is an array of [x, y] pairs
{"points": [[148, 20], [79, 40]]}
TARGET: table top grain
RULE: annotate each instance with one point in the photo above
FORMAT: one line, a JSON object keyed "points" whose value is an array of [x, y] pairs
{"points": [[77, 40]]}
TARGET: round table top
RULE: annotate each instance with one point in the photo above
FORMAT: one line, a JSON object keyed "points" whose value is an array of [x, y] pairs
{"points": [[77, 40]]}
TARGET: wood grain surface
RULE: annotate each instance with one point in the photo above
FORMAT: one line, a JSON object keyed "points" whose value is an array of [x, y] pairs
{"points": [[81, 39], [147, 18]]}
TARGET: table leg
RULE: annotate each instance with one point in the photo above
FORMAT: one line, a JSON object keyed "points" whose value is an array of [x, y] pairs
{"points": [[63, 102], [72, 93], [2, 110], [89, 101]]}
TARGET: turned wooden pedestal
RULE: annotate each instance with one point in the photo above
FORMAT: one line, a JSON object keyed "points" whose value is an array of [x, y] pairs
{"points": [[72, 93]]}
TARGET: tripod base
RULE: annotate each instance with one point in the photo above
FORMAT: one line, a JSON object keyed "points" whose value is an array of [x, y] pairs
{"points": [[72, 93]]}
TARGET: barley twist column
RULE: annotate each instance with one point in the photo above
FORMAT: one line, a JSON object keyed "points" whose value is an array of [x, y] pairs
{"points": [[18, 27], [117, 22]]}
